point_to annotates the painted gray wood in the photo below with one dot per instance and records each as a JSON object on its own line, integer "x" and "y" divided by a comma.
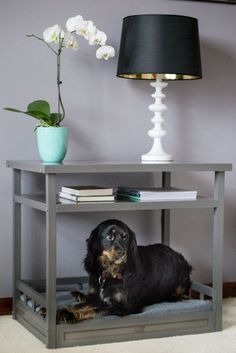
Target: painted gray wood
{"x": 33, "y": 201}
{"x": 134, "y": 206}
{"x": 165, "y": 213}
{"x": 16, "y": 229}
{"x": 31, "y": 293}
{"x": 116, "y": 167}
{"x": 32, "y": 322}
{"x": 218, "y": 238}
{"x": 128, "y": 328}
{"x": 51, "y": 271}
{"x": 202, "y": 289}
{"x": 38, "y": 202}
{"x": 132, "y": 328}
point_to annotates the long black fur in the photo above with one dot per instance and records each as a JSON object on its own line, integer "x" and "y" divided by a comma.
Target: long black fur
{"x": 151, "y": 274}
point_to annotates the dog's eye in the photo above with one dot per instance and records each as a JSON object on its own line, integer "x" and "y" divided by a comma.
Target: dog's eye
{"x": 124, "y": 236}
{"x": 110, "y": 237}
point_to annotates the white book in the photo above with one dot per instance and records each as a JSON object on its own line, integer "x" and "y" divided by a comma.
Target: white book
{"x": 87, "y": 190}
{"x": 86, "y": 198}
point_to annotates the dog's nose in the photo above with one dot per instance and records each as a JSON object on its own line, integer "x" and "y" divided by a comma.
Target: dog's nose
{"x": 120, "y": 252}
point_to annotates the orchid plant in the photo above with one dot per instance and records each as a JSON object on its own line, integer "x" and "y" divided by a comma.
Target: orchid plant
{"x": 55, "y": 35}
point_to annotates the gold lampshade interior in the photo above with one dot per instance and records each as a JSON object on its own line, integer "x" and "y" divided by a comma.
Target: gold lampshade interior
{"x": 163, "y": 77}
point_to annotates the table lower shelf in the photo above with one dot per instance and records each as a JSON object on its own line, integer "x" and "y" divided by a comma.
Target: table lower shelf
{"x": 116, "y": 329}
{"x": 159, "y": 320}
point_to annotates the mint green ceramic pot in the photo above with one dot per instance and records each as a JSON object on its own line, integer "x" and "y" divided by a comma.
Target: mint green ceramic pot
{"x": 52, "y": 143}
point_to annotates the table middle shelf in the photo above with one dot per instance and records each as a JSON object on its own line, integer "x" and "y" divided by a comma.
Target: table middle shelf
{"x": 39, "y": 202}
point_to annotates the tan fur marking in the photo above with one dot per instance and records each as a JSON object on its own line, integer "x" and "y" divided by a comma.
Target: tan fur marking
{"x": 179, "y": 290}
{"x": 83, "y": 313}
{"x": 110, "y": 254}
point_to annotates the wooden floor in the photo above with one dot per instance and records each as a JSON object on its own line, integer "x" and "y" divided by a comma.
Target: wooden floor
{"x": 5, "y": 306}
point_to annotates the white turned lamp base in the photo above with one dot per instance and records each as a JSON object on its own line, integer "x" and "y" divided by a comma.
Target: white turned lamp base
{"x": 157, "y": 157}
{"x": 157, "y": 152}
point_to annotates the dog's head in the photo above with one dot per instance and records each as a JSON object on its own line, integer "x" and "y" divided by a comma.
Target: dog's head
{"x": 111, "y": 244}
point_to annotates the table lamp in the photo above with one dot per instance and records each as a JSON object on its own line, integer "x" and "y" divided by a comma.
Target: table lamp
{"x": 161, "y": 48}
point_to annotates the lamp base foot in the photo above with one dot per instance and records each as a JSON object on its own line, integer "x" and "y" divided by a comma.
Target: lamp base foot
{"x": 158, "y": 157}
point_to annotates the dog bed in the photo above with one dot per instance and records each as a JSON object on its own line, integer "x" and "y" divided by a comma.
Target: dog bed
{"x": 64, "y": 298}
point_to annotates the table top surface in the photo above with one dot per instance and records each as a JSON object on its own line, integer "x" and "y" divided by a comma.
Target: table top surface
{"x": 115, "y": 166}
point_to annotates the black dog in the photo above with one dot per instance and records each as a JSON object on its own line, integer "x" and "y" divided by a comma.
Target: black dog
{"x": 124, "y": 277}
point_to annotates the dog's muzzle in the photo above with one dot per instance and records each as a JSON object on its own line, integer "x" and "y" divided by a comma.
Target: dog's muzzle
{"x": 115, "y": 255}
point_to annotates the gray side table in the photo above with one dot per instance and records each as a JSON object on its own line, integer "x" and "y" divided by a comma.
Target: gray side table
{"x": 130, "y": 327}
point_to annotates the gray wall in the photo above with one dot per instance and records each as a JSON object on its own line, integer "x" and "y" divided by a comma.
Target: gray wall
{"x": 108, "y": 119}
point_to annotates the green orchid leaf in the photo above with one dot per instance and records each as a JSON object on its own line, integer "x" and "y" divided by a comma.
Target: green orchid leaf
{"x": 56, "y": 118}
{"x": 35, "y": 114}
{"x": 13, "y": 110}
{"x": 38, "y": 115}
{"x": 40, "y": 110}
{"x": 39, "y": 106}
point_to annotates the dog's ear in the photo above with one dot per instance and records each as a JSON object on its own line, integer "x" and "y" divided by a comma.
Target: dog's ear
{"x": 93, "y": 251}
{"x": 133, "y": 257}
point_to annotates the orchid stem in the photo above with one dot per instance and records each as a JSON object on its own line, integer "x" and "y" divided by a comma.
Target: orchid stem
{"x": 34, "y": 36}
{"x": 59, "y": 82}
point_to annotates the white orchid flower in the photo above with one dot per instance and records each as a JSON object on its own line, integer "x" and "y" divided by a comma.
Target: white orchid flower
{"x": 52, "y": 34}
{"x": 105, "y": 52}
{"x": 55, "y": 34}
{"x": 86, "y": 29}
{"x": 73, "y": 23}
{"x": 98, "y": 38}
{"x": 70, "y": 41}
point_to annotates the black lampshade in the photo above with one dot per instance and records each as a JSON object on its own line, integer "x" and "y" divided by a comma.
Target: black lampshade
{"x": 165, "y": 46}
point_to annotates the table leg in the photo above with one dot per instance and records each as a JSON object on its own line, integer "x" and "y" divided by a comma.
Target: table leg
{"x": 218, "y": 233}
{"x": 51, "y": 259}
{"x": 16, "y": 181}
{"x": 165, "y": 214}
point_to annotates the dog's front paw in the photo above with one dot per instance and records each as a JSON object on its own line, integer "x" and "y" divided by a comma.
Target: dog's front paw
{"x": 66, "y": 316}
{"x": 75, "y": 314}
{"x": 79, "y": 296}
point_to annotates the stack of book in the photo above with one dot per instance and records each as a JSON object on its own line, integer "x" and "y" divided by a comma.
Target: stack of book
{"x": 154, "y": 194}
{"x": 88, "y": 193}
